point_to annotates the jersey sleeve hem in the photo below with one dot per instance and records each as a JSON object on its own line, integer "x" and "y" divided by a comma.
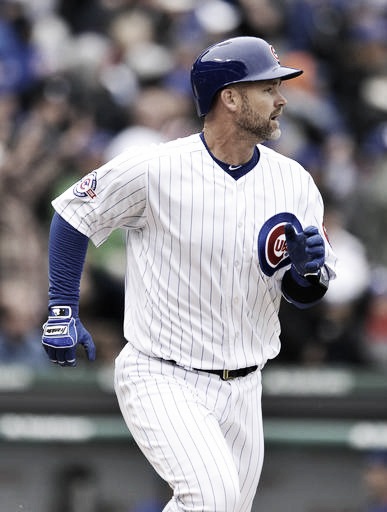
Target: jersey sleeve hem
{"x": 81, "y": 227}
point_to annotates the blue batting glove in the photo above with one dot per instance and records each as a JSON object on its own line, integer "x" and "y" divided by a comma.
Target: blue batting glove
{"x": 306, "y": 249}
{"x": 62, "y": 332}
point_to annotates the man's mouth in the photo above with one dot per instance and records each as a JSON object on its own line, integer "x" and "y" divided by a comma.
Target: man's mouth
{"x": 275, "y": 116}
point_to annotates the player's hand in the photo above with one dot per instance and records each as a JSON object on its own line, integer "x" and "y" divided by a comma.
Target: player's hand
{"x": 306, "y": 249}
{"x": 62, "y": 332}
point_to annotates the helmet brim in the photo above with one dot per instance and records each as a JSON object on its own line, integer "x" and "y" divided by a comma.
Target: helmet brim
{"x": 282, "y": 72}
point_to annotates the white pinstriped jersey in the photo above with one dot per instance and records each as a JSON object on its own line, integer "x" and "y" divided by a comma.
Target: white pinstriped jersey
{"x": 196, "y": 291}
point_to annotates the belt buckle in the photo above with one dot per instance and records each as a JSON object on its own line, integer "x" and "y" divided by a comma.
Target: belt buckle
{"x": 225, "y": 375}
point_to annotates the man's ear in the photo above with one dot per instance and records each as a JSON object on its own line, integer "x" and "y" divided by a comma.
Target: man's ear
{"x": 230, "y": 98}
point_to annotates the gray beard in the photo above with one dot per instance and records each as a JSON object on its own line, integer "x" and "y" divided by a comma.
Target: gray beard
{"x": 255, "y": 125}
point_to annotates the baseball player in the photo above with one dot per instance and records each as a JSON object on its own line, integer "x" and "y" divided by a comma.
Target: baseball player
{"x": 219, "y": 228}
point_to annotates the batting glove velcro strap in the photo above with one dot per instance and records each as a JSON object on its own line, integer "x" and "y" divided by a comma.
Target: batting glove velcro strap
{"x": 306, "y": 249}
{"x": 62, "y": 333}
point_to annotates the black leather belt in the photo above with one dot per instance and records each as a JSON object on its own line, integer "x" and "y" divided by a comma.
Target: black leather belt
{"x": 231, "y": 374}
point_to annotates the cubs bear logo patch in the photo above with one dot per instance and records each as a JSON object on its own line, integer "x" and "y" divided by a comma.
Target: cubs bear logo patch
{"x": 86, "y": 186}
{"x": 272, "y": 249}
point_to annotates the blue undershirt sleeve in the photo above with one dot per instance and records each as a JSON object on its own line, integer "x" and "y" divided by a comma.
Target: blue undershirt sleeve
{"x": 67, "y": 253}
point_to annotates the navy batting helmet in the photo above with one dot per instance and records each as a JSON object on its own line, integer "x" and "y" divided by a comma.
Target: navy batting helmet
{"x": 239, "y": 59}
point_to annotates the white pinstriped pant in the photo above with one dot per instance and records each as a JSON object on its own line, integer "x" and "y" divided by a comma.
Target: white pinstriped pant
{"x": 202, "y": 435}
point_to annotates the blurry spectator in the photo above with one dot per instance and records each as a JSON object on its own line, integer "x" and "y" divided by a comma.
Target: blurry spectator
{"x": 102, "y": 301}
{"x": 311, "y": 100}
{"x": 20, "y": 324}
{"x": 369, "y": 215}
{"x": 375, "y": 478}
{"x": 339, "y": 172}
{"x": 375, "y": 339}
{"x": 19, "y": 60}
{"x": 343, "y": 314}
{"x": 153, "y": 116}
{"x": 22, "y": 259}
{"x": 262, "y": 18}
{"x": 218, "y": 18}
{"x": 353, "y": 274}
{"x": 363, "y": 60}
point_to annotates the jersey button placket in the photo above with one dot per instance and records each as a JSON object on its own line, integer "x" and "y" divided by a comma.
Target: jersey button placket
{"x": 236, "y": 268}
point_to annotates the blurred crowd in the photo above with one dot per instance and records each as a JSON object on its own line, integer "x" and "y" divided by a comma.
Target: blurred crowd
{"x": 82, "y": 79}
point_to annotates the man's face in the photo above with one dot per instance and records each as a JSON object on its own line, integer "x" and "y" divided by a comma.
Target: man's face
{"x": 260, "y": 106}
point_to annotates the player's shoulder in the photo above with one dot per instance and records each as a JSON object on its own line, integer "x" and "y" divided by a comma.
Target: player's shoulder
{"x": 141, "y": 159}
{"x": 271, "y": 156}
{"x": 158, "y": 150}
{"x": 187, "y": 144}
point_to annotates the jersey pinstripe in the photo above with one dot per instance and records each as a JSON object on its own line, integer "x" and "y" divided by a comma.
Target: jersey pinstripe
{"x": 195, "y": 292}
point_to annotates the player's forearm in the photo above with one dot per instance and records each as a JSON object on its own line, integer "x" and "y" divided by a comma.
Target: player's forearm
{"x": 67, "y": 253}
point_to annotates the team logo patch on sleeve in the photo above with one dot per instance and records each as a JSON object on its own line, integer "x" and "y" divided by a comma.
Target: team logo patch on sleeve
{"x": 272, "y": 250}
{"x": 86, "y": 186}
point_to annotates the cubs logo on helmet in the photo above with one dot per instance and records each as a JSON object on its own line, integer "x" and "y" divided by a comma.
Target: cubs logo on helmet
{"x": 272, "y": 249}
{"x": 86, "y": 186}
{"x": 274, "y": 52}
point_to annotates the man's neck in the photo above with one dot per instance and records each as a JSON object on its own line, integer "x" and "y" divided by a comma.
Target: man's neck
{"x": 235, "y": 171}
{"x": 228, "y": 146}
